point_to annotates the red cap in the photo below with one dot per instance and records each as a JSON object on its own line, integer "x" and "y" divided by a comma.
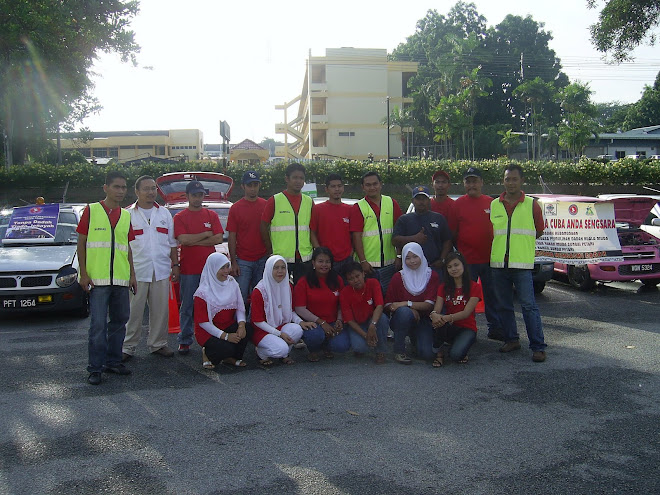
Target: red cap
{"x": 441, "y": 173}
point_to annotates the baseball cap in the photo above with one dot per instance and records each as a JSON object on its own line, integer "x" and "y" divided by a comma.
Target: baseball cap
{"x": 195, "y": 186}
{"x": 250, "y": 176}
{"x": 421, "y": 190}
{"x": 440, "y": 173}
{"x": 472, "y": 172}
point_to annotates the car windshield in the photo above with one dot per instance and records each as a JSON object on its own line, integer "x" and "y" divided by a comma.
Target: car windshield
{"x": 179, "y": 186}
{"x": 222, "y": 211}
{"x": 65, "y": 233}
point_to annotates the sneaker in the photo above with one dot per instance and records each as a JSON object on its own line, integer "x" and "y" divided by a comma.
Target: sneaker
{"x": 117, "y": 369}
{"x": 94, "y": 378}
{"x": 300, "y": 345}
{"x": 510, "y": 346}
{"x": 184, "y": 349}
{"x": 164, "y": 351}
{"x": 538, "y": 356}
{"x": 402, "y": 358}
{"x": 390, "y": 334}
{"x": 125, "y": 357}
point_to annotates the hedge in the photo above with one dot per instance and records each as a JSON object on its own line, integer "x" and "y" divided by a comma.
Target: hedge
{"x": 583, "y": 172}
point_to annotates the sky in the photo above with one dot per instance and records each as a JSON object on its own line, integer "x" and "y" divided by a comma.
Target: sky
{"x": 202, "y": 61}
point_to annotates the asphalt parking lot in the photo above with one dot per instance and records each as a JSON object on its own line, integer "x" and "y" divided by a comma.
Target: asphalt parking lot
{"x": 586, "y": 421}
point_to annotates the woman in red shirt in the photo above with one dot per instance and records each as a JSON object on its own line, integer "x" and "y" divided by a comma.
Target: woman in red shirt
{"x": 409, "y": 300}
{"x": 276, "y": 326}
{"x": 219, "y": 315}
{"x": 459, "y": 296}
{"x": 316, "y": 298}
{"x": 362, "y": 308}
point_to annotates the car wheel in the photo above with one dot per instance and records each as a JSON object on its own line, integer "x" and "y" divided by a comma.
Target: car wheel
{"x": 578, "y": 277}
{"x": 651, "y": 282}
{"x": 538, "y": 287}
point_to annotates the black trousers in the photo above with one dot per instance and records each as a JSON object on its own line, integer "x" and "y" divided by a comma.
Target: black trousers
{"x": 219, "y": 349}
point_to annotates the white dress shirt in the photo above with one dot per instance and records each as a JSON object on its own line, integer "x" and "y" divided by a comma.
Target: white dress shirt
{"x": 154, "y": 239}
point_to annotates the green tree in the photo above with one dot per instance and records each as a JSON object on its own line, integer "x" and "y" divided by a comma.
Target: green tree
{"x": 646, "y": 111}
{"x": 579, "y": 123}
{"x": 537, "y": 94}
{"x": 611, "y": 115}
{"x": 510, "y": 141}
{"x": 623, "y": 25}
{"x": 46, "y": 53}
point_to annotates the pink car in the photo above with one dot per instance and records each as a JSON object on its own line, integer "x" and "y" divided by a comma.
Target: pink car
{"x": 640, "y": 249}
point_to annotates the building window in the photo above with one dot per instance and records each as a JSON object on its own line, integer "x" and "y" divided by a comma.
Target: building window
{"x": 145, "y": 147}
{"x": 100, "y": 152}
{"x": 318, "y": 106}
{"x": 318, "y": 74}
{"x": 346, "y": 134}
{"x": 86, "y": 152}
{"x": 641, "y": 154}
{"x": 319, "y": 138}
{"x": 620, "y": 154}
{"x": 160, "y": 150}
{"x": 113, "y": 152}
{"x": 126, "y": 147}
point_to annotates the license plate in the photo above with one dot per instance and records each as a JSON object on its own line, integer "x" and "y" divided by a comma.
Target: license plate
{"x": 641, "y": 268}
{"x": 19, "y": 303}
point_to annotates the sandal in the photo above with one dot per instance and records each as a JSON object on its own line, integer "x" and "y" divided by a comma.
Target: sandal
{"x": 380, "y": 358}
{"x": 206, "y": 362}
{"x": 402, "y": 358}
{"x": 312, "y": 357}
{"x": 287, "y": 360}
{"x": 463, "y": 361}
{"x": 265, "y": 362}
{"x": 438, "y": 361}
{"x": 328, "y": 354}
{"x": 239, "y": 363}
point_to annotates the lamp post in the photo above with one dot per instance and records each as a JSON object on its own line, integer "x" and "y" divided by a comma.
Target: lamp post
{"x": 387, "y": 99}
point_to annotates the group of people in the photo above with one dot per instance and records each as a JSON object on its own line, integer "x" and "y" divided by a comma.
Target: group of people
{"x": 331, "y": 277}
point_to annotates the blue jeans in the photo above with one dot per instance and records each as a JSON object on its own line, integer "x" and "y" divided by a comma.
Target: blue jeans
{"x": 359, "y": 343}
{"x": 460, "y": 339}
{"x": 403, "y": 324}
{"x": 384, "y": 275}
{"x": 504, "y": 280}
{"x": 251, "y": 273}
{"x": 484, "y": 271}
{"x": 315, "y": 340}
{"x": 188, "y": 284}
{"x": 109, "y": 309}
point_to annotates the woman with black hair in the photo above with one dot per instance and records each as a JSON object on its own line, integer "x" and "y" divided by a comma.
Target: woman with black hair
{"x": 316, "y": 299}
{"x": 458, "y": 295}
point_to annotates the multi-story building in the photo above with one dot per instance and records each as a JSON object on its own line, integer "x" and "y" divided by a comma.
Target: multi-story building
{"x": 343, "y": 106}
{"x": 131, "y": 145}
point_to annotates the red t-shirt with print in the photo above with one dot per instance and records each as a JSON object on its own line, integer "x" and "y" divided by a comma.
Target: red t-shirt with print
{"x": 359, "y": 306}
{"x": 322, "y": 301}
{"x": 222, "y": 319}
{"x": 331, "y": 223}
{"x": 446, "y": 209}
{"x": 245, "y": 220}
{"x": 474, "y": 230}
{"x": 456, "y": 304}
{"x": 193, "y": 258}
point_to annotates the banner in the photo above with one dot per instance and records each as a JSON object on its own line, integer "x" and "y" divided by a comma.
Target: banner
{"x": 578, "y": 233}
{"x": 35, "y": 223}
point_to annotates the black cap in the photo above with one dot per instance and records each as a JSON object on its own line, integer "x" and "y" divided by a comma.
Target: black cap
{"x": 195, "y": 186}
{"x": 250, "y": 176}
{"x": 472, "y": 172}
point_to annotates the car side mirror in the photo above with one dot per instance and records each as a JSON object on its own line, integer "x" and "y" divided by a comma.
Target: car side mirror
{"x": 655, "y": 222}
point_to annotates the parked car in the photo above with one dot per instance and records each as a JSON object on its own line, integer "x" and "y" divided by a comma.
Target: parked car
{"x": 640, "y": 249}
{"x": 172, "y": 188}
{"x": 39, "y": 274}
{"x": 541, "y": 273}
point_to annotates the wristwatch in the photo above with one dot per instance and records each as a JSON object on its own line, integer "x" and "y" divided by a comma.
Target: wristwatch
{"x": 410, "y": 304}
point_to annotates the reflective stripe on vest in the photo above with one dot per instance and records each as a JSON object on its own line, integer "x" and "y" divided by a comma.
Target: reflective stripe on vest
{"x": 514, "y": 236}
{"x": 377, "y": 232}
{"x": 107, "y": 248}
{"x": 290, "y": 232}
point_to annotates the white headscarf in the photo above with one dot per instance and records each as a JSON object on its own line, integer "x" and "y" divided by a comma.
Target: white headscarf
{"x": 415, "y": 281}
{"x": 277, "y": 296}
{"x": 218, "y": 295}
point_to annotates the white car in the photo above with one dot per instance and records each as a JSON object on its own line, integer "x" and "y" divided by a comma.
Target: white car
{"x": 39, "y": 274}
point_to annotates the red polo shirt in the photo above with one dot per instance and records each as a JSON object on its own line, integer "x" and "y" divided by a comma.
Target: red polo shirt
{"x": 322, "y": 301}
{"x": 245, "y": 221}
{"x": 193, "y": 258}
{"x": 446, "y": 209}
{"x": 474, "y": 230}
{"x": 359, "y": 306}
{"x": 331, "y": 223}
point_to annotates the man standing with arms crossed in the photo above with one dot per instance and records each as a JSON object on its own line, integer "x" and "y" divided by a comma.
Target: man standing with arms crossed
{"x": 198, "y": 230}
{"x": 106, "y": 273}
{"x": 371, "y": 225}
{"x": 473, "y": 233}
{"x": 517, "y": 223}
{"x": 155, "y": 257}
{"x": 247, "y": 251}
{"x": 330, "y": 224}
{"x": 285, "y": 223}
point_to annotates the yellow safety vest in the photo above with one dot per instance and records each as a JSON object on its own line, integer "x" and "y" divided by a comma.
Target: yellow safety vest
{"x": 107, "y": 248}
{"x": 513, "y": 236}
{"x": 377, "y": 232}
{"x": 289, "y": 232}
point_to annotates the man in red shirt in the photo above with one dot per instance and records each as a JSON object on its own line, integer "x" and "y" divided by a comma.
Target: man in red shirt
{"x": 473, "y": 233}
{"x": 295, "y": 180}
{"x": 198, "y": 230}
{"x": 247, "y": 250}
{"x": 442, "y": 203}
{"x": 330, "y": 223}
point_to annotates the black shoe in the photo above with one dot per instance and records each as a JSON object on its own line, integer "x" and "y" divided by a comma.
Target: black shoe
{"x": 118, "y": 369}
{"x": 94, "y": 378}
{"x": 496, "y": 335}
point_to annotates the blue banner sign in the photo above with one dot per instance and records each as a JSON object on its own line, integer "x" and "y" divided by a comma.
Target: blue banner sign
{"x": 35, "y": 222}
